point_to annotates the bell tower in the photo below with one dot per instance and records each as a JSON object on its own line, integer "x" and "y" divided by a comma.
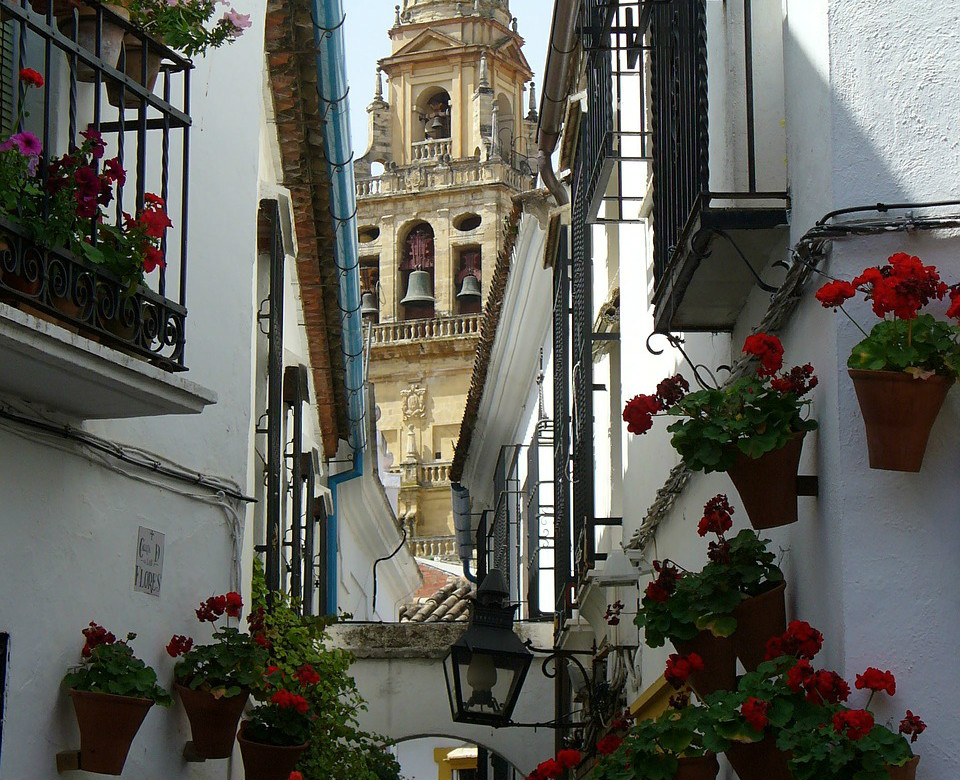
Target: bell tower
{"x": 449, "y": 147}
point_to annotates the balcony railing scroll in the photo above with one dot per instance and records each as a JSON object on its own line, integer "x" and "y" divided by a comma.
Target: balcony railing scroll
{"x": 88, "y": 85}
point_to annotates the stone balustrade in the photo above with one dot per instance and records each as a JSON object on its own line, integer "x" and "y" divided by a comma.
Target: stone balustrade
{"x": 429, "y": 174}
{"x": 414, "y": 330}
{"x": 434, "y": 473}
{"x": 434, "y": 547}
{"x": 431, "y": 150}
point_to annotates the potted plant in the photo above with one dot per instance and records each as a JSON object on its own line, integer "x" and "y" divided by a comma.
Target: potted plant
{"x": 668, "y": 748}
{"x": 278, "y": 730}
{"x": 554, "y": 768}
{"x": 214, "y": 680}
{"x": 789, "y": 720}
{"x": 752, "y": 428}
{"x": 112, "y": 690}
{"x": 904, "y": 367}
{"x": 79, "y": 21}
{"x": 718, "y": 612}
{"x": 183, "y": 25}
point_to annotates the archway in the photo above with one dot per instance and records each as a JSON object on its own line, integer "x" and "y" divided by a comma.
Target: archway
{"x": 417, "y": 260}
{"x": 433, "y": 108}
{"x": 443, "y": 757}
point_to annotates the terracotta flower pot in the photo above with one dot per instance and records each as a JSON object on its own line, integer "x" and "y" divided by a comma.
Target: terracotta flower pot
{"x": 698, "y": 768}
{"x": 758, "y": 619}
{"x": 768, "y": 485}
{"x": 898, "y": 414}
{"x": 111, "y": 37}
{"x": 906, "y": 772}
{"x": 213, "y": 721}
{"x": 719, "y": 662}
{"x": 761, "y": 760}
{"x": 108, "y": 725}
{"x": 267, "y": 762}
{"x": 61, "y": 8}
{"x": 133, "y": 68}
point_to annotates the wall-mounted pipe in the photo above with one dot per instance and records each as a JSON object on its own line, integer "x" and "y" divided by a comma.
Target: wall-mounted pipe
{"x": 553, "y": 99}
{"x": 332, "y": 89}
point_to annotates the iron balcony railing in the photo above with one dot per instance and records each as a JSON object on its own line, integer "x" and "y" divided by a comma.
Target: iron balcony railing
{"x": 147, "y": 132}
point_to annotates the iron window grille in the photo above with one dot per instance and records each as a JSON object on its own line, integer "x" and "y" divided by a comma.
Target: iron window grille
{"x": 151, "y": 139}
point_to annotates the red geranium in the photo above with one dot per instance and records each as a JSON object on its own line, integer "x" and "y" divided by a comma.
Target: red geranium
{"x": 234, "y": 604}
{"x": 96, "y": 635}
{"x": 569, "y": 758}
{"x": 639, "y": 411}
{"x": 717, "y": 516}
{"x": 30, "y": 77}
{"x": 911, "y": 726}
{"x": 609, "y": 744}
{"x": 661, "y": 588}
{"x": 798, "y": 380}
{"x": 754, "y": 712}
{"x": 875, "y": 680}
{"x": 307, "y": 675}
{"x": 856, "y": 724}
{"x": 293, "y": 701}
{"x": 179, "y": 645}
{"x": 833, "y": 294}
{"x": 549, "y": 769}
{"x": 672, "y": 390}
{"x": 800, "y": 640}
{"x": 768, "y": 350}
{"x": 680, "y": 667}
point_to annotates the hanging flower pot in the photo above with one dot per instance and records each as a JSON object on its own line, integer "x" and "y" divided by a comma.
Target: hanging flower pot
{"x": 697, "y": 768}
{"x": 898, "y": 413}
{"x": 906, "y": 772}
{"x": 268, "y": 762}
{"x": 758, "y": 619}
{"x": 761, "y": 760}
{"x": 83, "y": 29}
{"x": 108, "y": 725}
{"x": 213, "y": 721}
{"x": 768, "y": 485}
{"x": 133, "y": 68}
{"x": 719, "y": 671}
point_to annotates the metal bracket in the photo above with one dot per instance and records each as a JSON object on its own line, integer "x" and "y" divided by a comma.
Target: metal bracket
{"x": 68, "y": 761}
{"x": 190, "y": 753}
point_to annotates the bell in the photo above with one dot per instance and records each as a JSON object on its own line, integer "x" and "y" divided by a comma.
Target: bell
{"x": 435, "y": 128}
{"x": 469, "y": 289}
{"x": 418, "y": 290}
{"x": 368, "y": 305}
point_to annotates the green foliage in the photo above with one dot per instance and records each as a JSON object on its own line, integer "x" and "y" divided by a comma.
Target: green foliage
{"x": 651, "y": 749}
{"x": 338, "y": 748}
{"x": 183, "y": 25}
{"x": 113, "y": 668}
{"x": 231, "y": 664}
{"x": 897, "y": 345}
{"x": 746, "y": 416}
{"x": 817, "y": 753}
{"x": 708, "y": 598}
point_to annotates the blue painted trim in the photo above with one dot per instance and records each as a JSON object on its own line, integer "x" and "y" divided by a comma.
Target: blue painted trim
{"x": 332, "y": 87}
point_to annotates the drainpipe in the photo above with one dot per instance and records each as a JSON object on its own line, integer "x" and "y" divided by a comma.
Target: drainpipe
{"x": 332, "y": 88}
{"x": 553, "y": 99}
{"x": 462, "y": 526}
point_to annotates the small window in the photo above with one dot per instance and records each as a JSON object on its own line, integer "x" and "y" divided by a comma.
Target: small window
{"x": 467, "y": 222}
{"x": 368, "y": 233}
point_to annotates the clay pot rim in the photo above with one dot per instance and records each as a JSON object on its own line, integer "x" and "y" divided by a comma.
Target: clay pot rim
{"x": 896, "y": 376}
{"x": 241, "y": 738}
{"x": 78, "y": 692}
{"x": 180, "y": 686}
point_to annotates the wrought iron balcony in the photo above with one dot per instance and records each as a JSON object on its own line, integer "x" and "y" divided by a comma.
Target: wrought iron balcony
{"x": 148, "y": 135}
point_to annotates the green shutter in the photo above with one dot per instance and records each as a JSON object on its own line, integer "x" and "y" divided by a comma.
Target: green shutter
{"x": 7, "y": 82}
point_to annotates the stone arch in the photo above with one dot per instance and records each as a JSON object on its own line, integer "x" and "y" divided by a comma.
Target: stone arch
{"x": 445, "y": 735}
{"x": 434, "y": 112}
{"x": 398, "y": 669}
{"x": 506, "y": 125}
{"x": 417, "y": 253}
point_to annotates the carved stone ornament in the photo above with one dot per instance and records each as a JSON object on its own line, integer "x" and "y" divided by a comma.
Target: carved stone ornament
{"x": 414, "y": 401}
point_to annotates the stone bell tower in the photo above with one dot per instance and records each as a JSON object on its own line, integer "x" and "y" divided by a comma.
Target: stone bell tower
{"x": 449, "y": 147}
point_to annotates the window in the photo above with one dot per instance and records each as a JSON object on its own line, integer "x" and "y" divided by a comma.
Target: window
{"x": 416, "y": 273}
{"x": 433, "y": 115}
{"x": 468, "y": 288}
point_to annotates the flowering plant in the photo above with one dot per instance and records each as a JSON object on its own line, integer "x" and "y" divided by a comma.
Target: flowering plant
{"x": 652, "y": 748}
{"x": 184, "y": 24}
{"x": 678, "y": 604}
{"x": 285, "y": 717}
{"x": 19, "y": 157}
{"x": 805, "y": 710}
{"x": 109, "y": 666}
{"x": 752, "y": 415}
{"x": 904, "y": 339}
{"x": 231, "y": 664}
{"x": 553, "y": 768}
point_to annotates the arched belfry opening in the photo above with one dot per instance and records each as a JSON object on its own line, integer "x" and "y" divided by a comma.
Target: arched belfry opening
{"x": 417, "y": 263}
{"x": 433, "y": 110}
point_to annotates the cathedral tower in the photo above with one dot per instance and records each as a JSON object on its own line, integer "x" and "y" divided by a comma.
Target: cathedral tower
{"x": 449, "y": 148}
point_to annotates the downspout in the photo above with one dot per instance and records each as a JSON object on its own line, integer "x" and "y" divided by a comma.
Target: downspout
{"x": 462, "y": 526}
{"x": 332, "y": 89}
{"x": 553, "y": 99}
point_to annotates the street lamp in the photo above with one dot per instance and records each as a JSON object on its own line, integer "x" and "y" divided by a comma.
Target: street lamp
{"x": 486, "y": 666}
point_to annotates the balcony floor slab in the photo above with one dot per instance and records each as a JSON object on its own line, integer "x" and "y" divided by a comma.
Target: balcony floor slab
{"x": 47, "y": 365}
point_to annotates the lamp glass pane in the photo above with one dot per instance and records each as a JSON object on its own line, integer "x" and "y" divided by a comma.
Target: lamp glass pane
{"x": 487, "y": 684}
